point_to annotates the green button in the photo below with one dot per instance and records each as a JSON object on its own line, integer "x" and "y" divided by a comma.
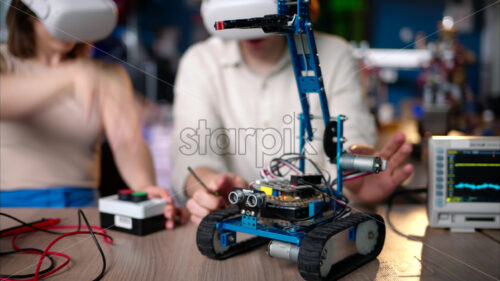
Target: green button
{"x": 139, "y": 196}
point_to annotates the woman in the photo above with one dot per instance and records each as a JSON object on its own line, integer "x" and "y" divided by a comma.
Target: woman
{"x": 55, "y": 105}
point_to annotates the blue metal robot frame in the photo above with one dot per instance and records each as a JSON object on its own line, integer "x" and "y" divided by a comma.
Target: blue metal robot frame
{"x": 305, "y": 60}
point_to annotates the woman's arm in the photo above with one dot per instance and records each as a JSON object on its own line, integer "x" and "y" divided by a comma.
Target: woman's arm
{"x": 22, "y": 95}
{"x": 122, "y": 128}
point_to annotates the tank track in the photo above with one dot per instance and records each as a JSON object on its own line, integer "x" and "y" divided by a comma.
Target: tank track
{"x": 312, "y": 247}
{"x": 207, "y": 230}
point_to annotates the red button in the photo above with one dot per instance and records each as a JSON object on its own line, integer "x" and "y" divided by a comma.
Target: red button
{"x": 125, "y": 194}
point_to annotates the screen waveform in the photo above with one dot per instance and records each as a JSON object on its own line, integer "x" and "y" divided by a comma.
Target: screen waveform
{"x": 477, "y": 186}
{"x": 477, "y": 165}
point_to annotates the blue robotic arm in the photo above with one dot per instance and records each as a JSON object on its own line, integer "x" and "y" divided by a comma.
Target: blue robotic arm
{"x": 293, "y": 20}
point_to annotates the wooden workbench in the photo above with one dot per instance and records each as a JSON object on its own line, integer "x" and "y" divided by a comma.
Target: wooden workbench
{"x": 172, "y": 255}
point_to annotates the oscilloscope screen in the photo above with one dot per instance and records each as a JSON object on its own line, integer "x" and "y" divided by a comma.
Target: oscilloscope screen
{"x": 473, "y": 176}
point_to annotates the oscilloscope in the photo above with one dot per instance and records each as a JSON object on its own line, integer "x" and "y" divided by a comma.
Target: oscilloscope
{"x": 464, "y": 183}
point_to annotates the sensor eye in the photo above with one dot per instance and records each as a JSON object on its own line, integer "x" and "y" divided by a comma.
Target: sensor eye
{"x": 236, "y": 197}
{"x": 252, "y": 200}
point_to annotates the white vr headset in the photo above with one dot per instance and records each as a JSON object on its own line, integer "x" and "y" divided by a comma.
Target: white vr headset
{"x": 77, "y": 20}
{"x": 219, "y": 10}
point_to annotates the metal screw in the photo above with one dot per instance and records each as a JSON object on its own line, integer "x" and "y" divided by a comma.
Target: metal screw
{"x": 371, "y": 235}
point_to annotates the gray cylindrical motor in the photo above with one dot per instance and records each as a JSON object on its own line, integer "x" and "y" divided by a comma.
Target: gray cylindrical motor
{"x": 371, "y": 164}
{"x": 283, "y": 250}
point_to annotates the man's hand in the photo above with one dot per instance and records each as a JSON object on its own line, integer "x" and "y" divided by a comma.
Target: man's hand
{"x": 173, "y": 214}
{"x": 376, "y": 187}
{"x": 202, "y": 202}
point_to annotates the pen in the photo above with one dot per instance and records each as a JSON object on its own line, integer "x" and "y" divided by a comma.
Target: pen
{"x": 201, "y": 182}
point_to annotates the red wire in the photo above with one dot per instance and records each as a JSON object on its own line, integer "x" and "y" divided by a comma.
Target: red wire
{"x": 340, "y": 202}
{"x": 68, "y": 259}
{"x": 357, "y": 177}
{"x": 14, "y": 245}
{"x": 59, "y": 238}
{"x": 108, "y": 239}
{"x": 94, "y": 227}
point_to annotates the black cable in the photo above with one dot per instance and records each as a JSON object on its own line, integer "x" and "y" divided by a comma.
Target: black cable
{"x": 23, "y": 223}
{"x": 28, "y": 224}
{"x": 344, "y": 211}
{"x": 332, "y": 197}
{"x": 79, "y": 223}
{"x": 488, "y": 235}
{"x": 300, "y": 156}
{"x": 397, "y": 193}
{"x": 296, "y": 156}
{"x": 23, "y": 276}
{"x": 81, "y": 214}
{"x": 277, "y": 168}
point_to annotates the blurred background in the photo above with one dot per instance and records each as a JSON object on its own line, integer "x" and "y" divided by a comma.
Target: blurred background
{"x": 428, "y": 67}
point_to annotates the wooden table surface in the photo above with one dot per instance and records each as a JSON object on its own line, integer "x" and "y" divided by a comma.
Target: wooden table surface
{"x": 172, "y": 255}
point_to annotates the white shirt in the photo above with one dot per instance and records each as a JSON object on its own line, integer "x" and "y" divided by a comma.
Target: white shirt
{"x": 231, "y": 119}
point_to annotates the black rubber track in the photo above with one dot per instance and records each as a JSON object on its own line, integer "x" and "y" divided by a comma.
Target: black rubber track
{"x": 206, "y": 232}
{"x": 312, "y": 247}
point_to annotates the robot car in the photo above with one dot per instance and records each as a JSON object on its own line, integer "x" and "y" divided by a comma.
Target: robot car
{"x": 302, "y": 216}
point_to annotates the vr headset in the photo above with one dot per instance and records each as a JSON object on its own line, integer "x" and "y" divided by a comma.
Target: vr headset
{"x": 220, "y": 10}
{"x": 76, "y": 20}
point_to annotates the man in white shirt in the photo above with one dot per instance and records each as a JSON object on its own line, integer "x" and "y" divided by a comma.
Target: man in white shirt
{"x": 236, "y": 107}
